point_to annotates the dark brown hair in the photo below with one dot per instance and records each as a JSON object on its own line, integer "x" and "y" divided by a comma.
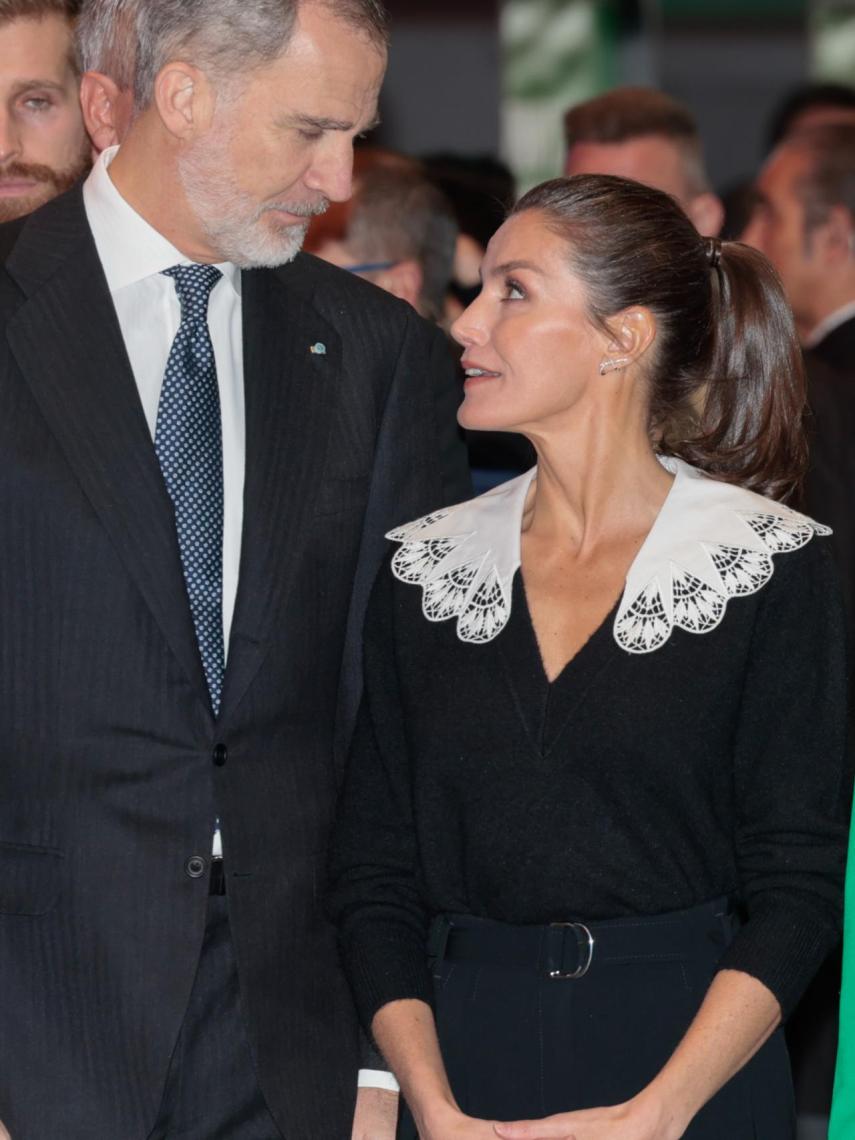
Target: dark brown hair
{"x": 727, "y": 386}
{"x": 37, "y": 9}
{"x": 40, "y": 9}
{"x": 638, "y": 112}
{"x": 830, "y": 177}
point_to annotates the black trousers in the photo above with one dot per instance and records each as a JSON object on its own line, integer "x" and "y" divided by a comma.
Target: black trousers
{"x": 518, "y": 1044}
{"x": 211, "y": 1089}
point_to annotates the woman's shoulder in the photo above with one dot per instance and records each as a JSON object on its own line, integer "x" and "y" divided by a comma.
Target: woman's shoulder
{"x": 711, "y": 543}
{"x": 464, "y": 558}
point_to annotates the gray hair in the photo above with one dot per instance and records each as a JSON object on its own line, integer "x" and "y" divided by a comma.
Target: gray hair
{"x": 398, "y": 215}
{"x": 131, "y": 40}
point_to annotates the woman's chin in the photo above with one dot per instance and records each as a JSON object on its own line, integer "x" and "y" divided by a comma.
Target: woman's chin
{"x": 478, "y": 416}
{"x": 483, "y": 423}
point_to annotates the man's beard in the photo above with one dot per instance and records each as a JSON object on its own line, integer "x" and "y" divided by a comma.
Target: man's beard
{"x": 233, "y": 221}
{"x": 49, "y": 183}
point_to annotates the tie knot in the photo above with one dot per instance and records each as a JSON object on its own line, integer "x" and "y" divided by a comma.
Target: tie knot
{"x": 193, "y": 284}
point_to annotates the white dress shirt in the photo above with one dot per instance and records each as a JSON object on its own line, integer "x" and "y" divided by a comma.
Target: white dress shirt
{"x": 829, "y": 324}
{"x": 134, "y": 256}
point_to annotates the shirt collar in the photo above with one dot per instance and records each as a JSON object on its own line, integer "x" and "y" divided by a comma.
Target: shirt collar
{"x": 711, "y": 542}
{"x": 129, "y": 248}
{"x": 829, "y": 324}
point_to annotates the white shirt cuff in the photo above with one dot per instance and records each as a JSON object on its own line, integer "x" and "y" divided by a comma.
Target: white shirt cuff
{"x": 377, "y": 1079}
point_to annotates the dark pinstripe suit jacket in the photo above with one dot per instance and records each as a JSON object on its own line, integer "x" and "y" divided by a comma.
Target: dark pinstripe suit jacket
{"x": 107, "y": 785}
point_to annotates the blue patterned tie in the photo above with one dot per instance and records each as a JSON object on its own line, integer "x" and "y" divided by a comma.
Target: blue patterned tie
{"x": 189, "y": 444}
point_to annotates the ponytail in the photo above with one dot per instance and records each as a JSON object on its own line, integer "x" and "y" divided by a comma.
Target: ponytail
{"x": 751, "y": 388}
{"x": 727, "y": 386}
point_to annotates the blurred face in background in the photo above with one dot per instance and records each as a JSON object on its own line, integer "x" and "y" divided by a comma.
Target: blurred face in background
{"x": 651, "y": 159}
{"x": 656, "y": 161}
{"x": 777, "y": 228}
{"x": 43, "y": 144}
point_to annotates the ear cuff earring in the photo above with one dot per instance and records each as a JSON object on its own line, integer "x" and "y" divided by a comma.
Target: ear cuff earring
{"x": 613, "y": 365}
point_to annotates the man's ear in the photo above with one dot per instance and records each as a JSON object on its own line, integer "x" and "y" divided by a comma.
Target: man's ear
{"x": 184, "y": 100}
{"x": 404, "y": 279}
{"x": 107, "y": 109}
{"x": 706, "y": 212}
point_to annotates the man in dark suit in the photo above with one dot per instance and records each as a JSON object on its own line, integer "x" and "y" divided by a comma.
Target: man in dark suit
{"x": 198, "y": 459}
{"x": 804, "y": 221}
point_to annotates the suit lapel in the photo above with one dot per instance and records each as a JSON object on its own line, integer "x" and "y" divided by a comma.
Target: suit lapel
{"x": 67, "y": 342}
{"x": 289, "y": 392}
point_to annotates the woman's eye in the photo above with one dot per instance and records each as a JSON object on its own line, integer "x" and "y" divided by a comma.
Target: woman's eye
{"x": 514, "y": 291}
{"x": 37, "y": 103}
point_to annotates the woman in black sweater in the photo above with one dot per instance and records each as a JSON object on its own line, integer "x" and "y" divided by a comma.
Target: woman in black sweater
{"x": 591, "y": 843}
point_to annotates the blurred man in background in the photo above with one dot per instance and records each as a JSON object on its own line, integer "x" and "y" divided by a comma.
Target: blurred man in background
{"x": 804, "y": 221}
{"x": 812, "y": 105}
{"x": 400, "y": 233}
{"x": 43, "y": 144}
{"x": 641, "y": 133}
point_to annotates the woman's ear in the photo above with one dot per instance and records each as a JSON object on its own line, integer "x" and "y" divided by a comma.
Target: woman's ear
{"x": 631, "y": 334}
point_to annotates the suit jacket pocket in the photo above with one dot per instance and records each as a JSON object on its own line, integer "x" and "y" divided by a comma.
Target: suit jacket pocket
{"x": 30, "y": 879}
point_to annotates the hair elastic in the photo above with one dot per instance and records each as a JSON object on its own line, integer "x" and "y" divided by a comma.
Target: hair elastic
{"x": 712, "y": 248}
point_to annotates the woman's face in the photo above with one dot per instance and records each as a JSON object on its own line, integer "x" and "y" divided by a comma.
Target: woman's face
{"x": 530, "y": 352}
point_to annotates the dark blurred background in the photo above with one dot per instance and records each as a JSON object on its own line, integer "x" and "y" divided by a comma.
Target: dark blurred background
{"x": 483, "y": 75}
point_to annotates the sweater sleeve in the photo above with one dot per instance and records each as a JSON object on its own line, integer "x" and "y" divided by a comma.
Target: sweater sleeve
{"x": 790, "y": 776}
{"x": 375, "y": 897}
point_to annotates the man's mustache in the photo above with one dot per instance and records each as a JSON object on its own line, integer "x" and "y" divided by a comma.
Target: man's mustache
{"x": 301, "y": 209}
{"x": 29, "y": 172}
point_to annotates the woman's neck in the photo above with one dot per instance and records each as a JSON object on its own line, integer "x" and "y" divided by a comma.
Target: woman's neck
{"x": 595, "y": 484}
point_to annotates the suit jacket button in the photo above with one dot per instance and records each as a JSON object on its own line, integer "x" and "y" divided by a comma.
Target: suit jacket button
{"x": 220, "y": 755}
{"x": 195, "y": 866}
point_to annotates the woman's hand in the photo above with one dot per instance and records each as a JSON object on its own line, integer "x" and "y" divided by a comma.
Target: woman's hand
{"x": 736, "y": 1017}
{"x": 451, "y": 1124}
{"x": 638, "y": 1119}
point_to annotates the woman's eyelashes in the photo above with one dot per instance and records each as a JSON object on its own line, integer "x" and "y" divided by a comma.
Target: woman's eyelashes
{"x": 514, "y": 291}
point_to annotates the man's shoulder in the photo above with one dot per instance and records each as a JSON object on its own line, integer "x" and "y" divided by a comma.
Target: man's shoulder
{"x": 9, "y": 234}
{"x": 836, "y": 350}
{"x": 341, "y": 296}
{"x": 33, "y": 247}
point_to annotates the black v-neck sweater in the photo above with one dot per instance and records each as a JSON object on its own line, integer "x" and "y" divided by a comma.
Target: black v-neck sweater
{"x": 633, "y": 785}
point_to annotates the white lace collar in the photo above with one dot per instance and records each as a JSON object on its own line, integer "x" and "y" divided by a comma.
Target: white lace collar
{"x": 711, "y": 542}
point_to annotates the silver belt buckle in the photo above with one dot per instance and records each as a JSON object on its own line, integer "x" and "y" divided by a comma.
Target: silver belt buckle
{"x": 584, "y": 939}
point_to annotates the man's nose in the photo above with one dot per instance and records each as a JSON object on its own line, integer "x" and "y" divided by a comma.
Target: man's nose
{"x": 332, "y": 172}
{"x": 10, "y": 138}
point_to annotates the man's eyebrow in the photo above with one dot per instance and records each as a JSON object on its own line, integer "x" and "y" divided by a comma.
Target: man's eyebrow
{"x": 21, "y": 85}
{"x": 320, "y": 123}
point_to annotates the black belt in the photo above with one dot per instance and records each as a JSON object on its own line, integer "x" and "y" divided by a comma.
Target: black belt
{"x": 217, "y": 881}
{"x": 568, "y": 950}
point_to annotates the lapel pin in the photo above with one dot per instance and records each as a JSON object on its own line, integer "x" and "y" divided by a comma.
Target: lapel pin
{"x": 318, "y": 349}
